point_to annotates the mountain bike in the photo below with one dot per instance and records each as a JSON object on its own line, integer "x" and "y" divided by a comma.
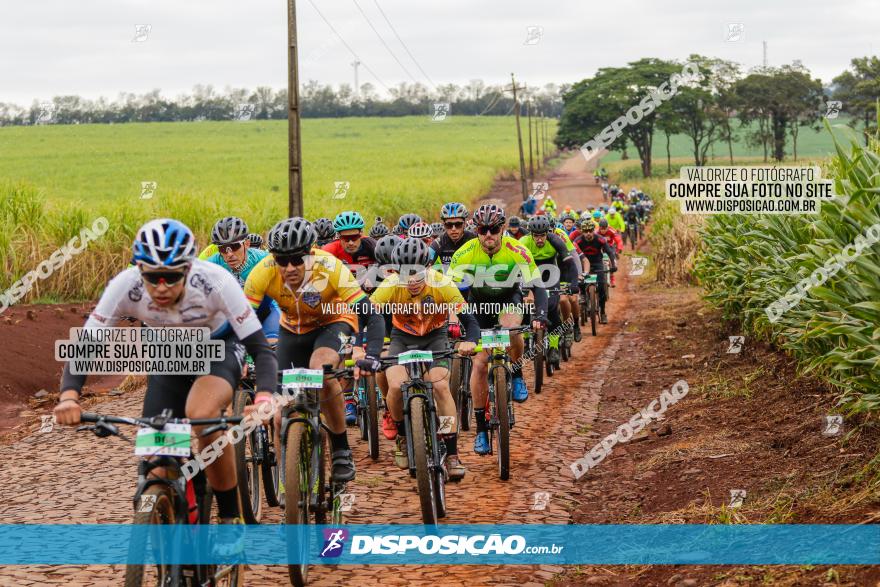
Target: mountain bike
{"x": 369, "y": 396}
{"x": 163, "y": 442}
{"x": 631, "y": 233}
{"x": 606, "y": 263}
{"x": 589, "y": 300}
{"x": 499, "y": 402}
{"x": 256, "y": 462}
{"x": 426, "y": 452}
{"x": 308, "y": 496}
{"x": 460, "y": 386}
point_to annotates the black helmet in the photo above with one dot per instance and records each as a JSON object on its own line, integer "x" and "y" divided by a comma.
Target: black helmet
{"x": 231, "y": 229}
{"x": 412, "y": 251}
{"x": 379, "y": 230}
{"x": 514, "y": 222}
{"x": 539, "y": 224}
{"x": 292, "y": 236}
{"x": 255, "y": 240}
{"x": 406, "y": 221}
{"x": 603, "y": 223}
{"x": 324, "y": 229}
{"x": 437, "y": 228}
{"x": 384, "y": 250}
{"x": 489, "y": 215}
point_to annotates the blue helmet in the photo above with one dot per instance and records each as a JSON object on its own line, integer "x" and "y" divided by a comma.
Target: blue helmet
{"x": 597, "y": 214}
{"x": 349, "y": 220}
{"x": 453, "y": 210}
{"x": 408, "y": 220}
{"x": 164, "y": 243}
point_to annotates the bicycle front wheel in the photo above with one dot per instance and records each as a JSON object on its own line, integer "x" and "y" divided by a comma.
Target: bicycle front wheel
{"x": 502, "y": 401}
{"x": 156, "y": 508}
{"x": 538, "y": 360}
{"x": 297, "y": 472}
{"x": 249, "y": 472}
{"x": 419, "y": 439}
{"x": 594, "y": 309}
{"x": 372, "y": 417}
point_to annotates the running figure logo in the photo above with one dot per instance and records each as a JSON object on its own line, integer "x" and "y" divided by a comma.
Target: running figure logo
{"x": 736, "y": 344}
{"x": 334, "y": 540}
{"x": 441, "y": 110}
{"x": 833, "y": 108}
{"x": 832, "y": 425}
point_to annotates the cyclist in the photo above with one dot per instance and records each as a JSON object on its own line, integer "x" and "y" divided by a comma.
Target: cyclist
{"x": 437, "y": 229}
{"x": 379, "y": 230}
{"x": 529, "y": 207}
{"x": 384, "y": 257}
{"x": 549, "y": 205}
{"x": 325, "y": 231}
{"x": 169, "y": 287}
{"x": 454, "y": 215}
{"x": 515, "y": 228}
{"x": 631, "y": 219}
{"x": 568, "y": 221}
{"x": 321, "y": 306}
{"x": 614, "y": 239}
{"x": 230, "y": 236}
{"x": 615, "y": 220}
{"x": 256, "y": 240}
{"x": 419, "y": 294}
{"x": 423, "y": 232}
{"x": 404, "y": 223}
{"x": 592, "y": 246}
{"x": 507, "y": 260}
{"x": 547, "y": 247}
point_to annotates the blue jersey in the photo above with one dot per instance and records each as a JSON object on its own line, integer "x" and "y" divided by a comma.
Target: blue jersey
{"x": 268, "y": 312}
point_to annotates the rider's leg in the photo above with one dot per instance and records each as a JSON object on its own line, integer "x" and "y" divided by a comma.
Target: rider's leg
{"x": 207, "y": 398}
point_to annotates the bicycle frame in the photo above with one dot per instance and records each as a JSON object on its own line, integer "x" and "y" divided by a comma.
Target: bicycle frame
{"x": 415, "y": 387}
{"x": 306, "y": 408}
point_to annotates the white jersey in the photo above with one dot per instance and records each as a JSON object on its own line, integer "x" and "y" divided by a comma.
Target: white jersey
{"x": 212, "y": 298}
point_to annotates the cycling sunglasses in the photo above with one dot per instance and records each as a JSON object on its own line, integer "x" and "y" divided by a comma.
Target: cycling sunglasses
{"x": 350, "y": 238}
{"x": 484, "y": 230}
{"x": 453, "y": 224}
{"x": 230, "y": 248}
{"x": 285, "y": 260}
{"x": 169, "y": 278}
{"x": 539, "y": 235}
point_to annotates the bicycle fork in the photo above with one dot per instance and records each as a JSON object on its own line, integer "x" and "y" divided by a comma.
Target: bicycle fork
{"x": 437, "y": 448}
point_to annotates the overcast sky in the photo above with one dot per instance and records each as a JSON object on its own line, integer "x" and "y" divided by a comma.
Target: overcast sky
{"x": 54, "y": 47}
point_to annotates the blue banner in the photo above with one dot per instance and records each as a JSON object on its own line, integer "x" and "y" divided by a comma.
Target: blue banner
{"x": 452, "y": 544}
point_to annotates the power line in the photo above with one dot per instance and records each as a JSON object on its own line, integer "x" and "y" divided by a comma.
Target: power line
{"x": 408, "y": 52}
{"x": 387, "y": 48}
{"x": 347, "y": 46}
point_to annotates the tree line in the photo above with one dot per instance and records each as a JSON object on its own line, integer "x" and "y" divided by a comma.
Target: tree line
{"x": 769, "y": 105}
{"x": 316, "y": 101}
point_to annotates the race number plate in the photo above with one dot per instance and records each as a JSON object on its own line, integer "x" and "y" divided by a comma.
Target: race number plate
{"x": 590, "y": 278}
{"x": 302, "y": 378}
{"x": 415, "y": 357}
{"x": 492, "y": 339}
{"x": 172, "y": 441}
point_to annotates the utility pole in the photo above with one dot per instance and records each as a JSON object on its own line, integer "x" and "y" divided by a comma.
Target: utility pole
{"x": 522, "y": 162}
{"x": 357, "y": 87}
{"x": 765, "y": 53}
{"x": 529, "y": 116}
{"x": 294, "y": 145}
{"x": 539, "y": 148}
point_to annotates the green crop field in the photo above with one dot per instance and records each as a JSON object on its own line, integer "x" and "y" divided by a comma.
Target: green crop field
{"x": 55, "y": 180}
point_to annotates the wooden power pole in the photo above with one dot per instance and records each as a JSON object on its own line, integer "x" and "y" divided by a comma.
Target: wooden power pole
{"x": 294, "y": 143}
{"x": 539, "y": 144}
{"x": 522, "y": 162}
{"x": 529, "y": 116}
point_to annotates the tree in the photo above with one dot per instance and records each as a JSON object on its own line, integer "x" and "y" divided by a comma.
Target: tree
{"x": 859, "y": 90}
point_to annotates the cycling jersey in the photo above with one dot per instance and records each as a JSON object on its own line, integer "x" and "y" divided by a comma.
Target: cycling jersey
{"x": 593, "y": 249}
{"x": 268, "y": 311}
{"x": 364, "y": 256}
{"x": 412, "y": 313}
{"x": 616, "y": 222}
{"x": 444, "y": 247}
{"x": 555, "y": 251}
{"x": 319, "y": 301}
{"x": 529, "y": 207}
{"x": 517, "y": 234}
{"x": 472, "y": 260}
{"x": 613, "y": 238}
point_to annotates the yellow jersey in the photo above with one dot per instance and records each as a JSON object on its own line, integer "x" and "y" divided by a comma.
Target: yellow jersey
{"x": 325, "y": 296}
{"x": 422, "y": 313}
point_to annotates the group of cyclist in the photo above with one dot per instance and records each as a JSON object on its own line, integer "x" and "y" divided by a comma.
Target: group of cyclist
{"x": 311, "y": 293}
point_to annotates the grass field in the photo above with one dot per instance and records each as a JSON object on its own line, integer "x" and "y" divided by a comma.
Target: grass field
{"x": 810, "y": 144}
{"x": 56, "y": 179}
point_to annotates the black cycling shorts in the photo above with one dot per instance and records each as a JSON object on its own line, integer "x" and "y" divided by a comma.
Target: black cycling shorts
{"x": 488, "y": 320}
{"x": 435, "y": 341}
{"x": 295, "y": 350}
{"x": 170, "y": 391}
